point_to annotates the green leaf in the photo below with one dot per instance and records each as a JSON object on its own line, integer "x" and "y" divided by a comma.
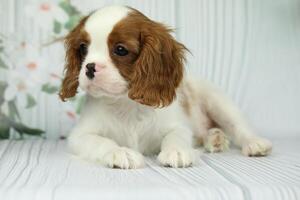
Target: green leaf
{"x": 73, "y": 13}
{"x": 4, "y": 127}
{"x": 13, "y": 110}
{"x": 1, "y": 46}
{"x": 68, "y": 8}
{"x": 50, "y": 89}
{"x": 3, "y": 64}
{"x": 72, "y": 22}
{"x": 57, "y": 27}
{"x": 23, "y": 129}
{"x": 3, "y": 85}
{"x": 30, "y": 101}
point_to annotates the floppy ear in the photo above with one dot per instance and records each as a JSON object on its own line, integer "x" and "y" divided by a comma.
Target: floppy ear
{"x": 158, "y": 70}
{"x": 73, "y": 61}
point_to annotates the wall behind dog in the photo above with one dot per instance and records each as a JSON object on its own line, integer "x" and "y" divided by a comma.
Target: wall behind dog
{"x": 250, "y": 49}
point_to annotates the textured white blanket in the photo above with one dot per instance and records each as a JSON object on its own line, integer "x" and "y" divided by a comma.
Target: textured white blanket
{"x": 42, "y": 170}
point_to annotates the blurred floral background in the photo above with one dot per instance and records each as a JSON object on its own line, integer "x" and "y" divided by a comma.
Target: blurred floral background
{"x": 28, "y": 72}
{"x": 248, "y": 48}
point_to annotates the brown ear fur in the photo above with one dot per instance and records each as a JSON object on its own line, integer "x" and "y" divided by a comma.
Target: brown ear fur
{"x": 158, "y": 70}
{"x": 73, "y": 60}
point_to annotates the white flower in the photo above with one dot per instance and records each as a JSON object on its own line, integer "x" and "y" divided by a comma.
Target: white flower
{"x": 44, "y": 13}
{"x": 28, "y": 76}
{"x": 33, "y": 65}
{"x": 69, "y": 112}
{"x": 18, "y": 87}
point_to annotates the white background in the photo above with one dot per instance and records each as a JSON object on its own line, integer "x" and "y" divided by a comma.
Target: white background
{"x": 249, "y": 48}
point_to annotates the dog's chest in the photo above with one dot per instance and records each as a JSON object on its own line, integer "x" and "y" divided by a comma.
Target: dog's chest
{"x": 134, "y": 127}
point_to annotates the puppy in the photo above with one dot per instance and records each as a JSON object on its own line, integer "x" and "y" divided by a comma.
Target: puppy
{"x": 138, "y": 99}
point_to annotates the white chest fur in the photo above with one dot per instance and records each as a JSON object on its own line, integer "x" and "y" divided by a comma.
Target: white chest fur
{"x": 130, "y": 124}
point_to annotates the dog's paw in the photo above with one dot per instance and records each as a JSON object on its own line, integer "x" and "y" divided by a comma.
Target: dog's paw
{"x": 176, "y": 157}
{"x": 123, "y": 158}
{"x": 216, "y": 141}
{"x": 257, "y": 147}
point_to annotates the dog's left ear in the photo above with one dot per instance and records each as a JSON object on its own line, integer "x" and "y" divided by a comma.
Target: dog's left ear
{"x": 73, "y": 61}
{"x": 158, "y": 70}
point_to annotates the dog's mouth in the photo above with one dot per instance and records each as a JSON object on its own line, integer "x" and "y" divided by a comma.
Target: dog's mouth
{"x": 97, "y": 91}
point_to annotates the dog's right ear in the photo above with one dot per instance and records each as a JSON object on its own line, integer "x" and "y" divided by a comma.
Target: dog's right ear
{"x": 76, "y": 43}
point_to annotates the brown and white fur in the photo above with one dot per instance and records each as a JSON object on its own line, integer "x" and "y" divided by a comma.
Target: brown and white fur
{"x": 139, "y": 101}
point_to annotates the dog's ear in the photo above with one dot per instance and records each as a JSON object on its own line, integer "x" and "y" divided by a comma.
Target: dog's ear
{"x": 73, "y": 59}
{"x": 158, "y": 70}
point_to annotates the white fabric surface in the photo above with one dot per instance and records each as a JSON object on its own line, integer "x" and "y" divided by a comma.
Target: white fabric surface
{"x": 42, "y": 169}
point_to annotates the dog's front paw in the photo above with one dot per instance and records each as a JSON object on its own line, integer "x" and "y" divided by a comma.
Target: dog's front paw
{"x": 257, "y": 147}
{"x": 123, "y": 158}
{"x": 216, "y": 141}
{"x": 176, "y": 157}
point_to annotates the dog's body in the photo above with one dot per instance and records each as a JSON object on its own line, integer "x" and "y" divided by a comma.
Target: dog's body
{"x": 138, "y": 99}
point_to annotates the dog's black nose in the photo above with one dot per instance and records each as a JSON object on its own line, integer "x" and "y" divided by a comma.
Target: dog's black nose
{"x": 90, "y": 70}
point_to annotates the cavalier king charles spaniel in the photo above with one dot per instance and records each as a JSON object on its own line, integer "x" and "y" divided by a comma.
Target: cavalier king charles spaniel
{"x": 139, "y": 101}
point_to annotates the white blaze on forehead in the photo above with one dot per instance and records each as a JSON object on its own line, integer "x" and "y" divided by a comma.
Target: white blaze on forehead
{"x": 100, "y": 24}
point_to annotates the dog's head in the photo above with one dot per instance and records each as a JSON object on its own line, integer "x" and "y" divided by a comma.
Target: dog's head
{"x": 118, "y": 51}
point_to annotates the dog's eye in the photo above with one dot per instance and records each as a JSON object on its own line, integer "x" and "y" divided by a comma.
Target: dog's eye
{"x": 120, "y": 50}
{"x": 83, "y": 49}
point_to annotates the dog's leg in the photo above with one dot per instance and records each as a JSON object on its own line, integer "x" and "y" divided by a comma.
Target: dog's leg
{"x": 176, "y": 148}
{"x": 228, "y": 117}
{"x": 103, "y": 150}
{"x": 215, "y": 141}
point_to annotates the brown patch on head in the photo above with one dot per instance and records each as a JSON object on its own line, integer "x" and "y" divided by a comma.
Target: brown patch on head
{"x": 154, "y": 65}
{"x": 74, "y": 58}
